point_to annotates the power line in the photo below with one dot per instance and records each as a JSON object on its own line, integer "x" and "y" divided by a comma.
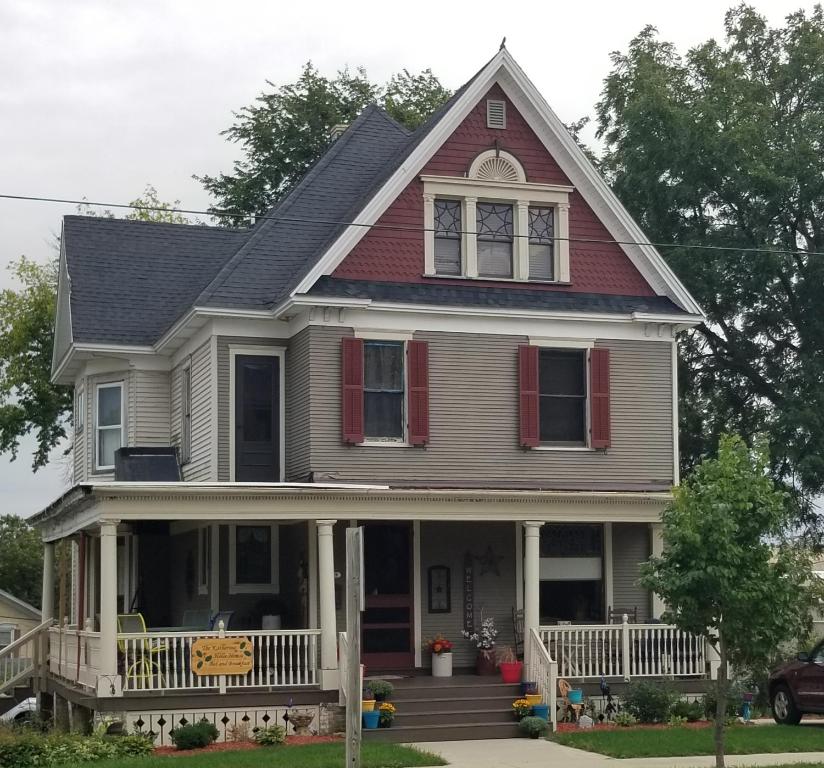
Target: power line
{"x": 399, "y": 227}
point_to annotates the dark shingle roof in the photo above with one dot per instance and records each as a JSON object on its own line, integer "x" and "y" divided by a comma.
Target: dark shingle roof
{"x": 130, "y": 280}
{"x": 443, "y": 294}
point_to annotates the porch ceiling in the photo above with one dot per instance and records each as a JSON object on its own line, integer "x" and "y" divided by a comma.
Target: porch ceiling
{"x": 87, "y": 504}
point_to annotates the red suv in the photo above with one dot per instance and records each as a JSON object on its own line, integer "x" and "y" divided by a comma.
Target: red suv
{"x": 797, "y": 688}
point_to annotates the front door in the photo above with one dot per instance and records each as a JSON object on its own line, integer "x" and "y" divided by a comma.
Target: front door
{"x": 257, "y": 428}
{"x": 387, "y": 620}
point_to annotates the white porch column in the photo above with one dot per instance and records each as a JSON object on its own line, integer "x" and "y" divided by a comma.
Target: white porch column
{"x": 657, "y": 534}
{"x": 326, "y": 599}
{"x": 532, "y": 581}
{"x": 108, "y": 681}
{"x": 47, "y": 598}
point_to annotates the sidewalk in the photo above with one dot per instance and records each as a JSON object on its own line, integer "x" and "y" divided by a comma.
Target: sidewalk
{"x": 538, "y": 753}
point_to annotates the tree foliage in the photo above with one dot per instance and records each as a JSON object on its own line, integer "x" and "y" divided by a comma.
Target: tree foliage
{"x": 723, "y": 146}
{"x": 728, "y": 570}
{"x": 287, "y": 129}
{"x": 21, "y": 559}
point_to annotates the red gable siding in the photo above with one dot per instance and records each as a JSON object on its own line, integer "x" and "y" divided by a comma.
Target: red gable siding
{"x": 397, "y": 256}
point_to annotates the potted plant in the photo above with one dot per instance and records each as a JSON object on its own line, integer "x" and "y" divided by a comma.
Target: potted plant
{"x": 301, "y": 719}
{"x": 371, "y": 719}
{"x": 381, "y": 689}
{"x": 521, "y": 708}
{"x": 510, "y": 667}
{"x": 485, "y": 643}
{"x": 441, "y": 650}
{"x": 528, "y": 686}
{"x": 368, "y": 700}
{"x": 386, "y": 712}
{"x": 533, "y": 727}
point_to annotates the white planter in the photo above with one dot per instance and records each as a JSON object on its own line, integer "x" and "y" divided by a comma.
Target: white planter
{"x": 442, "y": 664}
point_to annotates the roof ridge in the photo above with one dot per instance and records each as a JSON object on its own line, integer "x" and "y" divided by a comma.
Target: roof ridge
{"x": 115, "y": 220}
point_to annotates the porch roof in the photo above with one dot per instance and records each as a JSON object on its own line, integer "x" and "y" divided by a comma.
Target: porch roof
{"x": 87, "y": 504}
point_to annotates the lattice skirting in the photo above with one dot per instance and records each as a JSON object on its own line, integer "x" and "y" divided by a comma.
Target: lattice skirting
{"x": 228, "y": 721}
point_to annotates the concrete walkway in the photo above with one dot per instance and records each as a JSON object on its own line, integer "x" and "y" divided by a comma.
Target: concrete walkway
{"x": 538, "y": 753}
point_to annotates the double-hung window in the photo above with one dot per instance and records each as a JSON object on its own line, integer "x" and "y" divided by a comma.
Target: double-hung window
{"x": 186, "y": 415}
{"x": 108, "y": 424}
{"x": 7, "y": 635}
{"x": 494, "y": 239}
{"x": 383, "y": 390}
{"x": 253, "y": 561}
{"x": 448, "y": 232}
{"x": 562, "y": 382}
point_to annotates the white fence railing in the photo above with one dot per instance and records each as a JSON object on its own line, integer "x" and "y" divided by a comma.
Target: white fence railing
{"x": 542, "y": 669}
{"x": 74, "y": 655}
{"x": 22, "y": 658}
{"x": 624, "y": 650}
{"x": 161, "y": 661}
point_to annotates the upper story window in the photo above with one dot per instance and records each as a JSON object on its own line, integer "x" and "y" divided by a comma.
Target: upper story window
{"x": 494, "y": 224}
{"x": 186, "y": 415}
{"x": 562, "y": 387}
{"x": 383, "y": 390}
{"x": 108, "y": 424}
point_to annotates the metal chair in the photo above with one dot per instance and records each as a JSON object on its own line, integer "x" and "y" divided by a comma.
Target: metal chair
{"x": 197, "y": 619}
{"x": 140, "y": 668}
{"x": 224, "y": 616}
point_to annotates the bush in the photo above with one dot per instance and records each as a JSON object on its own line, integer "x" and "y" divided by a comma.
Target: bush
{"x": 381, "y": 689}
{"x": 690, "y": 711}
{"x": 533, "y": 726}
{"x": 26, "y": 749}
{"x": 194, "y": 735}
{"x": 624, "y": 719}
{"x": 734, "y": 700}
{"x": 270, "y": 736}
{"x": 650, "y": 702}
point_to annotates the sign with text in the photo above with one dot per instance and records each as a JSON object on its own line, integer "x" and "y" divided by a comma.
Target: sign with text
{"x": 221, "y": 656}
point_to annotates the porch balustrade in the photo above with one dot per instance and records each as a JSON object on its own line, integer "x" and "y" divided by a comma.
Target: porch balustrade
{"x": 74, "y": 655}
{"x": 624, "y": 650}
{"x": 542, "y": 669}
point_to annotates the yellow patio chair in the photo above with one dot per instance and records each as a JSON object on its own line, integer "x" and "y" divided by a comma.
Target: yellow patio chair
{"x": 140, "y": 668}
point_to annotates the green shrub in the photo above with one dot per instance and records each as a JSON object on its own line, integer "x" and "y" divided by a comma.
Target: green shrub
{"x": 734, "y": 700}
{"x": 533, "y": 726}
{"x": 690, "y": 711}
{"x": 625, "y": 719}
{"x": 28, "y": 748}
{"x": 271, "y": 736}
{"x": 649, "y": 702}
{"x": 381, "y": 689}
{"x": 194, "y": 735}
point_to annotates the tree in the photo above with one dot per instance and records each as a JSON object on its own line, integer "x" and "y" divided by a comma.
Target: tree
{"x": 728, "y": 570}
{"x": 723, "y": 147}
{"x": 21, "y": 559}
{"x": 287, "y": 129}
{"x": 29, "y": 401}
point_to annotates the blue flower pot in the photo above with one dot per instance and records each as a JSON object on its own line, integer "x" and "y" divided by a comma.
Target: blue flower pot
{"x": 541, "y": 710}
{"x": 371, "y": 719}
{"x": 575, "y": 696}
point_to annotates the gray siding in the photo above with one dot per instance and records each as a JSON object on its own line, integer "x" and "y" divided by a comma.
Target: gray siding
{"x": 474, "y": 419}
{"x": 630, "y": 548}
{"x": 149, "y": 408}
{"x": 89, "y": 432}
{"x": 80, "y": 458}
{"x": 298, "y": 378}
{"x": 199, "y": 467}
{"x": 223, "y": 379}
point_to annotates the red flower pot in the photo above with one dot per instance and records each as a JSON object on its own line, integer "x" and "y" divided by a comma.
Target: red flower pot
{"x": 511, "y": 671}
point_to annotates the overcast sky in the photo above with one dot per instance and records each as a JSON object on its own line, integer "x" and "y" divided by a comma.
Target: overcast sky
{"x": 99, "y": 98}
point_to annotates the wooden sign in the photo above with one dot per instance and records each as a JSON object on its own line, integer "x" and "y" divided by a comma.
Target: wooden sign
{"x": 468, "y": 593}
{"x": 221, "y": 656}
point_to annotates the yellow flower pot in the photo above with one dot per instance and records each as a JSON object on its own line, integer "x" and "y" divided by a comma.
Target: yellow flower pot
{"x": 367, "y": 705}
{"x": 534, "y": 698}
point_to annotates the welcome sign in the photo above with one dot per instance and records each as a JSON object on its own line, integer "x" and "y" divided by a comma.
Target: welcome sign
{"x": 221, "y": 656}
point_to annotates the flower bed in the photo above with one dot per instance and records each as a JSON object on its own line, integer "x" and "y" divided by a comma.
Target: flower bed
{"x": 232, "y": 746}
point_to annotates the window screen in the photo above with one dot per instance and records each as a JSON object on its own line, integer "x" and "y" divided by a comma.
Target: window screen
{"x": 494, "y": 227}
{"x": 447, "y": 237}
{"x": 383, "y": 389}
{"x": 563, "y": 395}
{"x": 541, "y": 226}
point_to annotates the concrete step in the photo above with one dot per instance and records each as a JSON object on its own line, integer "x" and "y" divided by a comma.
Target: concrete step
{"x": 451, "y": 717}
{"x": 454, "y": 703}
{"x": 462, "y": 732}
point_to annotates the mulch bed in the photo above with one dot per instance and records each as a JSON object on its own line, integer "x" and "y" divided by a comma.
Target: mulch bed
{"x": 573, "y": 727}
{"x": 236, "y": 746}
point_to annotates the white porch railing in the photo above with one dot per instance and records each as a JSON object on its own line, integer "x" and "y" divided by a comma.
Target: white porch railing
{"x": 23, "y": 658}
{"x": 624, "y": 650}
{"x": 161, "y": 661}
{"x": 542, "y": 669}
{"x": 74, "y": 655}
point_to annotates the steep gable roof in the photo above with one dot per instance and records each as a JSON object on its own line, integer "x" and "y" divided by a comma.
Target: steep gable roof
{"x": 21, "y": 605}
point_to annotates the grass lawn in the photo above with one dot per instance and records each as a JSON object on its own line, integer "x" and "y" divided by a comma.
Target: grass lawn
{"x": 675, "y": 742}
{"x": 308, "y": 756}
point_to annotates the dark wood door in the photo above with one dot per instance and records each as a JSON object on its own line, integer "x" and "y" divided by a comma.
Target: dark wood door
{"x": 386, "y": 625}
{"x": 257, "y": 413}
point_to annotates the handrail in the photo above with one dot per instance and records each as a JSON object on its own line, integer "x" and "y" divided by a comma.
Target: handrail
{"x": 543, "y": 669}
{"x": 25, "y": 638}
{"x": 23, "y": 658}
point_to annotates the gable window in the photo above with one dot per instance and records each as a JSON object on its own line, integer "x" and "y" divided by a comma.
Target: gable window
{"x": 541, "y": 226}
{"x": 562, "y": 382}
{"x": 383, "y": 390}
{"x": 186, "y": 415}
{"x": 108, "y": 424}
{"x": 448, "y": 237}
{"x": 494, "y": 244}
{"x": 253, "y": 558}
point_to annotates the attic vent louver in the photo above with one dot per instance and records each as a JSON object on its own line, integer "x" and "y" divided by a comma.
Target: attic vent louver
{"x": 495, "y": 114}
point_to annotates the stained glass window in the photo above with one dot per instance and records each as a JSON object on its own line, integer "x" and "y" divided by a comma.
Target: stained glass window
{"x": 541, "y": 232}
{"x": 494, "y": 227}
{"x": 448, "y": 237}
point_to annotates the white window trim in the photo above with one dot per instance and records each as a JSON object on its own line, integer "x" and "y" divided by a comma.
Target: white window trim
{"x": 273, "y": 586}
{"x": 186, "y": 404}
{"x": 204, "y": 542}
{"x": 98, "y": 467}
{"x": 80, "y": 410}
{"x": 401, "y": 442}
{"x": 279, "y": 352}
{"x": 583, "y": 346}
{"x": 518, "y": 194}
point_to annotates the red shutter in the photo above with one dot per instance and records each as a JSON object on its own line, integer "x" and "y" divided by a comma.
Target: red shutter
{"x": 528, "y": 400}
{"x": 352, "y": 389}
{"x": 599, "y": 397}
{"x": 417, "y": 358}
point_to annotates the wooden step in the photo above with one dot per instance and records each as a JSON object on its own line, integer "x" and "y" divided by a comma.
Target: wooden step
{"x": 443, "y": 732}
{"x": 458, "y": 704}
{"x": 456, "y": 691}
{"x": 452, "y": 717}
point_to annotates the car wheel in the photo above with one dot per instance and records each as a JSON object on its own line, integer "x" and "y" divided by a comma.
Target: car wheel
{"x": 783, "y": 707}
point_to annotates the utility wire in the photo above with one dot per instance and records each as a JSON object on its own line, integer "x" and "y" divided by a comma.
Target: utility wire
{"x": 401, "y": 227}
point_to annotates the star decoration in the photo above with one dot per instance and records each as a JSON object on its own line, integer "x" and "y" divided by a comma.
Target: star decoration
{"x": 490, "y": 562}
